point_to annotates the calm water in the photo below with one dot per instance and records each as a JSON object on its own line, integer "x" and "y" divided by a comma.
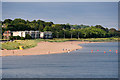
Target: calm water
{"x": 77, "y": 64}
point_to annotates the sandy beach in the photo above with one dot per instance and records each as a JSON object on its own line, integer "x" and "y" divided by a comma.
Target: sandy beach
{"x": 46, "y": 48}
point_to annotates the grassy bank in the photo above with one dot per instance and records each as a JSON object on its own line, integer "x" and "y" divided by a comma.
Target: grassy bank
{"x": 32, "y": 43}
{"x": 15, "y": 44}
{"x": 100, "y": 39}
{"x": 87, "y": 39}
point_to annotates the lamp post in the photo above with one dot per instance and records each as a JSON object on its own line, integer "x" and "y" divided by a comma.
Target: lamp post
{"x": 57, "y": 34}
{"x": 71, "y": 35}
{"x": 64, "y": 32}
{"x": 78, "y": 35}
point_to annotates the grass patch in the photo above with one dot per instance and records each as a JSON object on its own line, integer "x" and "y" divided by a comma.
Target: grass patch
{"x": 15, "y": 44}
{"x": 100, "y": 39}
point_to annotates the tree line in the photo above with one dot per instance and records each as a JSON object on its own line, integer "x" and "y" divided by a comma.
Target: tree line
{"x": 59, "y": 30}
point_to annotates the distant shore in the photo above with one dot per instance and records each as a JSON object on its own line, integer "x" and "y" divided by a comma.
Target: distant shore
{"x": 44, "y": 48}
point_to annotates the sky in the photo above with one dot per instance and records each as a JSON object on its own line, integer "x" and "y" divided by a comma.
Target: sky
{"x": 88, "y": 13}
{"x": 60, "y": 0}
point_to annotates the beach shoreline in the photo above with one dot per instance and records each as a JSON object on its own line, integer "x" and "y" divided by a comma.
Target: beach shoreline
{"x": 44, "y": 48}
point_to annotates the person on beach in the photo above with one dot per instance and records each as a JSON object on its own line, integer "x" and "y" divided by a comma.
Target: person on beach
{"x": 13, "y": 52}
{"x": 68, "y": 51}
{"x": 48, "y": 52}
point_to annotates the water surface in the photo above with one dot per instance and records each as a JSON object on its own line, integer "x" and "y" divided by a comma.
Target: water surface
{"x": 77, "y": 64}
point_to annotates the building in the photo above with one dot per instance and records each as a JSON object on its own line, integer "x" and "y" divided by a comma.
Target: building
{"x": 46, "y": 35}
{"x": 19, "y": 33}
{"x": 7, "y": 34}
{"x": 33, "y": 34}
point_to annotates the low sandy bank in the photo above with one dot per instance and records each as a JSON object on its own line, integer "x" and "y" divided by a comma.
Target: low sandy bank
{"x": 46, "y": 48}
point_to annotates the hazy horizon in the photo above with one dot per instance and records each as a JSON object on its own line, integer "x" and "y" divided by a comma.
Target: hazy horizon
{"x": 87, "y": 13}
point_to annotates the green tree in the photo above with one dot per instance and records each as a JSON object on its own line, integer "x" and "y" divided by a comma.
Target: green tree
{"x": 27, "y": 36}
{"x": 17, "y": 21}
{"x": 47, "y": 28}
{"x": 8, "y": 21}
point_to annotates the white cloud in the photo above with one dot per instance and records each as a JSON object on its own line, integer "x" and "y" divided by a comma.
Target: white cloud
{"x": 60, "y": 0}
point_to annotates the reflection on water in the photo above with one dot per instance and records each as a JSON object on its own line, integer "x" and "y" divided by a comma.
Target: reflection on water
{"x": 77, "y": 64}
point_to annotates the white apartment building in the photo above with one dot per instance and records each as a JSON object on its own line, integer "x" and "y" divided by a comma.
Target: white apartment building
{"x": 33, "y": 34}
{"x": 46, "y": 35}
{"x": 19, "y": 33}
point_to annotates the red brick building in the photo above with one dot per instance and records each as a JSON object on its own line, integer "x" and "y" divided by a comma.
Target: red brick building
{"x": 6, "y": 34}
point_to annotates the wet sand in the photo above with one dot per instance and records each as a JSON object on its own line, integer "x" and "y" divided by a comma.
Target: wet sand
{"x": 44, "y": 48}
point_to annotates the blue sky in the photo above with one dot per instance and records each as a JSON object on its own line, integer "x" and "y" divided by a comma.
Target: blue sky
{"x": 89, "y": 13}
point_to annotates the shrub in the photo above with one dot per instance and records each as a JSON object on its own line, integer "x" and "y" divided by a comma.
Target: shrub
{"x": 22, "y": 38}
{"x": 15, "y": 37}
{"x": 27, "y": 36}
